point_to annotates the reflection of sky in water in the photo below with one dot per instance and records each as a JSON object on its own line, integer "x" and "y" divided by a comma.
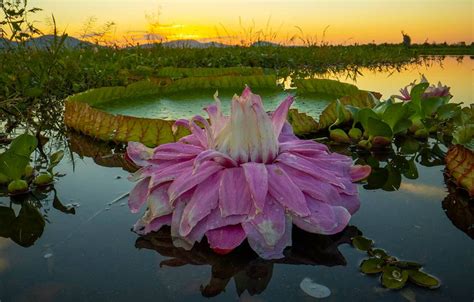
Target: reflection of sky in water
{"x": 95, "y": 258}
{"x": 456, "y": 74}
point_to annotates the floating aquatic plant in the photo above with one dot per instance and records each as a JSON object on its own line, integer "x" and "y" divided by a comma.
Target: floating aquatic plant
{"x": 15, "y": 168}
{"x": 243, "y": 176}
{"x": 395, "y": 273}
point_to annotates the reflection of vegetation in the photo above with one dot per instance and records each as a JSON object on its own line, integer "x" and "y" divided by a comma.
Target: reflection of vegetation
{"x": 28, "y": 225}
{"x": 250, "y": 272}
{"x": 395, "y": 273}
{"x": 459, "y": 207}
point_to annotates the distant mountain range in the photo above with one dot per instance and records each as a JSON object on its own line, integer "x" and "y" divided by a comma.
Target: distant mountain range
{"x": 47, "y": 40}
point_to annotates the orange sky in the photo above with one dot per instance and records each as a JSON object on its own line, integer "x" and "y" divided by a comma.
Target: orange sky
{"x": 349, "y": 21}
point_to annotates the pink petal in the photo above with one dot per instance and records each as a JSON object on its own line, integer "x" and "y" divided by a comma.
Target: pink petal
{"x": 175, "y": 151}
{"x": 226, "y": 238}
{"x": 324, "y": 219}
{"x": 256, "y": 176}
{"x": 139, "y": 195}
{"x": 143, "y": 228}
{"x": 234, "y": 195}
{"x": 304, "y": 147}
{"x": 213, "y": 221}
{"x": 160, "y": 175}
{"x": 139, "y": 153}
{"x": 188, "y": 180}
{"x": 284, "y": 190}
{"x": 204, "y": 200}
{"x": 309, "y": 167}
{"x": 359, "y": 172}
{"x": 179, "y": 241}
{"x": 270, "y": 223}
{"x": 287, "y": 134}
{"x": 258, "y": 244}
{"x": 280, "y": 114}
{"x": 217, "y": 156}
{"x": 158, "y": 201}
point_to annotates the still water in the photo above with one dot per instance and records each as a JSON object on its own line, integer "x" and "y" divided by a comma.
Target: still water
{"x": 91, "y": 254}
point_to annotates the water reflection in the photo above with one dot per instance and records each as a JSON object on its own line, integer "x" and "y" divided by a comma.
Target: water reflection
{"x": 23, "y": 220}
{"x": 250, "y": 273}
{"x": 459, "y": 208}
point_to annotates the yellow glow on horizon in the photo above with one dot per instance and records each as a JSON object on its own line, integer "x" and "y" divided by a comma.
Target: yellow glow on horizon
{"x": 356, "y": 21}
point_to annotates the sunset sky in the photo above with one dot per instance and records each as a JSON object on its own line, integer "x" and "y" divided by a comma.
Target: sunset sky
{"x": 349, "y": 21}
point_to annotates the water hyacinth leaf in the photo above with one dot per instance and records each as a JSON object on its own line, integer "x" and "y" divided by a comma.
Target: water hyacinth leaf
{"x": 13, "y": 165}
{"x": 23, "y": 145}
{"x": 408, "y": 265}
{"x": 423, "y": 279}
{"x": 410, "y": 145}
{"x": 372, "y": 266}
{"x": 377, "y": 127}
{"x": 54, "y": 159}
{"x": 447, "y": 111}
{"x": 382, "y": 107}
{"x": 417, "y": 91}
{"x": 430, "y": 105}
{"x": 340, "y": 113}
{"x": 393, "y": 277}
{"x": 379, "y": 253}
{"x": 464, "y": 135}
{"x": 361, "y": 243}
{"x": 412, "y": 171}
{"x": 364, "y": 115}
{"x": 361, "y": 99}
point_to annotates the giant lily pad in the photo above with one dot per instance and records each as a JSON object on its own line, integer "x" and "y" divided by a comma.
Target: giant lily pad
{"x": 145, "y": 111}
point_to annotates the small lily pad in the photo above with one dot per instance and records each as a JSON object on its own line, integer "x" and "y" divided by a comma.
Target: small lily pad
{"x": 372, "y": 266}
{"x": 394, "y": 277}
{"x": 362, "y": 243}
{"x": 423, "y": 279}
{"x": 313, "y": 289}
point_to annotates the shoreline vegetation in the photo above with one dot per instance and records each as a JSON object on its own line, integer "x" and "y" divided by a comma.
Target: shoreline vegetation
{"x": 38, "y": 71}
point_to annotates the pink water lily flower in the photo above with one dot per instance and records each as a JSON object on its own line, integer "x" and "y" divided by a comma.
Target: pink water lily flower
{"x": 439, "y": 90}
{"x": 243, "y": 176}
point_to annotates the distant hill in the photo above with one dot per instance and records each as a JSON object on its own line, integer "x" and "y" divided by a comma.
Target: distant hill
{"x": 45, "y": 41}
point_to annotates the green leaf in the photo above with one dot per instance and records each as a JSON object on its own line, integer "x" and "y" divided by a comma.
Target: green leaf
{"x": 340, "y": 113}
{"x": 393, "y": 277}
{"x": 363, "y": 117}
{"x": 379, "y": 253}
{"x": 410, "y": 145}
{"x": 372, "y": 266}
{"x": 423, "y": 279}
{"x": 408, "y": 265}
{"x": 417, "y": 91}
{"x": 430, "y": 106}
{"x": 448, "y": 111}
{"x": 412, "y": 171}
{"x": 54, "y": 159}
{"x": 361, "y": 243}
{"x": 377, "y": 127}
{"x": 23, "y": 145}
{"x": 13, "y": 165}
